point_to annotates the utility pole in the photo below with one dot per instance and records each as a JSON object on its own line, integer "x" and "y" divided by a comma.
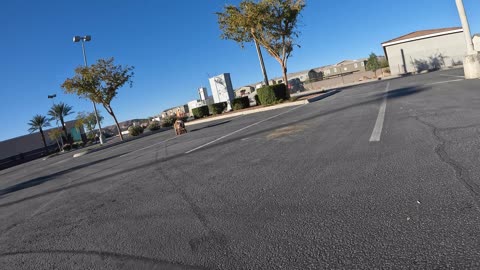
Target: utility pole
{"x": 471, "y": 63}
{"x": 83, "y": 40}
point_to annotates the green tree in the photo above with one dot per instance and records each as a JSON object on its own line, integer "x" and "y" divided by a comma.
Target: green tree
{"x": 271, "y": 23}
{"x": 89, "y": 121}
{"x": 373, "y": 64}
{"x": 384, "y": 63}
{"x": 59, "y": 112}
{"x": 39, "y": 122}
{"x": 100, "y": 83}
{"x": 55, "y": 134}
{"x": 239, "y": 24}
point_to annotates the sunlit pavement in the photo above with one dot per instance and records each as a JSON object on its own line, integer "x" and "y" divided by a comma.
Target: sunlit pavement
{"x": 382, "y": 175}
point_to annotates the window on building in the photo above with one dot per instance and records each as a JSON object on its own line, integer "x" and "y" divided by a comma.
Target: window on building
{"x": 363, "y": 64}
{"x": 345, "y": 68}
{"x": 355, "y": 65}
{"x": 334, "y": 69}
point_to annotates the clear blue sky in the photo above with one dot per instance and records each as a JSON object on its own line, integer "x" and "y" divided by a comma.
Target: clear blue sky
{"x": 174, "y": 45}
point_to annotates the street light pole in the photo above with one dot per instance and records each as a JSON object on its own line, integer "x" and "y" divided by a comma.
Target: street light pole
{"x": 471, "y": 63}
{"x": 83, "y": 40}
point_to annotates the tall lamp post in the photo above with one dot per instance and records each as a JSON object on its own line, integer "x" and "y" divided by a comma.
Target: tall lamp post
{"x": 471, "y": 63}
{"x": 83, "y": 40}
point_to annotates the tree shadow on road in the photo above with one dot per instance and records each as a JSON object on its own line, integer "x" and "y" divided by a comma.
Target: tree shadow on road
{"x": 403, "y": 92}
{"x": 392, "y": 94}
{"x": 212, "y": 125}
{"x": 42, "y": 179}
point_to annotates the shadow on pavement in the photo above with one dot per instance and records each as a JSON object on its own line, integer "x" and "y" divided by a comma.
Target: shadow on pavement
{"x": 42, "y": 179}
{"x": 403, "y": 92}
{"x": 210, "y": 126}
{"x": 392, "y": 94}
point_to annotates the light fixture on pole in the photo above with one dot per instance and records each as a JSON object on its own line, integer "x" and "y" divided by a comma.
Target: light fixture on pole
{"x": 83, "y": 40}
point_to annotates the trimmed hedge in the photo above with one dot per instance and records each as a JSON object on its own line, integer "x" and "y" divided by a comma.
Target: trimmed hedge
{"x": 154, "y": 126}
{"x": 200, "y": 112}
{"x": 272, "y": 94}
{"x": 170, "y": 120}
{"x": 167, "y": 121}
{"x": 240, "y": 103}
{"x": 217, "y": 108}
{"x": 135, "y": 130}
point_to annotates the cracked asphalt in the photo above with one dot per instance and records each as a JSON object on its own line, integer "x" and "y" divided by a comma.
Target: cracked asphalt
{"x": 292, "y": 188}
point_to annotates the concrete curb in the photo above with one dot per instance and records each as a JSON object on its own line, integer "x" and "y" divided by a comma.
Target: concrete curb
{"x": 81, "y": 154}
{"x": 340, "y": 87}
{"x": 264, "y": 109}
{"x": 231, "y": 115}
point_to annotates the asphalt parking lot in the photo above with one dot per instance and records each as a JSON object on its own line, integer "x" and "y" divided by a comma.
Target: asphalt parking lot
{"x": 382, "y": 175}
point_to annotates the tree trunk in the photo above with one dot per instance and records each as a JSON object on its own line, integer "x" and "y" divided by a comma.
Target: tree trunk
{"x": 262, "y": 64}
{"x": 65, "y": 131}
{"x": 110, "y": 111}
{"x": 43, "y": 139}
{"x": 285, "y": 79}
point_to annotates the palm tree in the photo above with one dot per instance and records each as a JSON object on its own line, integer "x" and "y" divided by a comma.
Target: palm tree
{"x": 59, "y": 112}
{"x": 39, "y": 122}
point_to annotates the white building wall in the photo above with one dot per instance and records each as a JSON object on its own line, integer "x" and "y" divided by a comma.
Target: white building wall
{"x": 222, "y": 89}
{"x": 202, "y": 91}
{"x": 452, "y": 47}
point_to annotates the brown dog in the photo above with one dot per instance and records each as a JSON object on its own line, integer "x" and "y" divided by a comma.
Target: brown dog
{"x": 179, "y": 127}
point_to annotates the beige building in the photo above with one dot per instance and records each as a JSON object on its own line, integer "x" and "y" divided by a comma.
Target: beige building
{"x": 476, "y": 42}
{"x": 244, "y": 91}
{"x": 173, "y": 111}
{"x": 425, "y": 50}
{"x": 344, "y": 68}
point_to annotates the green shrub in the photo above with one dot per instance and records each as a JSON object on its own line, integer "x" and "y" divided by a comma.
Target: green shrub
{"x": 154, "y": 126}
{"x": 67, "y": 147}
{"x": 272, "y": 94}
{"x": 168, "y": 121}
{"x": 217, "y": 108}
{"x": 200, "y": 112}
{"x": 135, "y": 130}
{"x": 240, "y": 103}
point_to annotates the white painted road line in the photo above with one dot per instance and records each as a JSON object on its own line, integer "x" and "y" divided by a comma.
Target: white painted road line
{"x": 377, "y": 130}
{"x": 455, "y": 76}
{"x": 236, "y": 131}
{"x": 459, "y": 80}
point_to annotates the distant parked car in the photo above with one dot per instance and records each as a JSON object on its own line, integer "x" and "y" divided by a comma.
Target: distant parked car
{"x": 295, "y": 86}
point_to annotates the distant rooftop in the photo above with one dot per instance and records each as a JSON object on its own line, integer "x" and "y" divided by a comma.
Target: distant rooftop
{"x": 422, "y": 34}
